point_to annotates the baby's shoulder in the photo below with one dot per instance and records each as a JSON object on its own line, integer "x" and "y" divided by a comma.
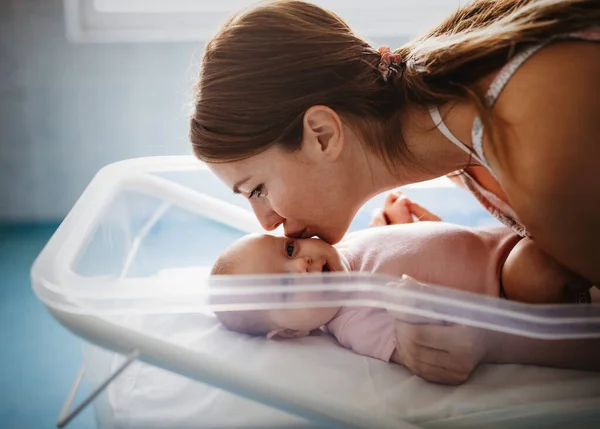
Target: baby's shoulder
{"x": 384, "y": 236}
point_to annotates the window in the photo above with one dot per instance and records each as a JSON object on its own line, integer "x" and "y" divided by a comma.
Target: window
{"x": 197, "y": 20}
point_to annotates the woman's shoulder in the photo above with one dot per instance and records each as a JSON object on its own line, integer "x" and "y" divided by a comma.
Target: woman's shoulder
{"x": 550, "y": 106}
{"x": 561, "y": 70}
{"x": 547, "y": 151}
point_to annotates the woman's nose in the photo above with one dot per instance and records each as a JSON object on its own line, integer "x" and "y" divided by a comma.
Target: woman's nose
{"x": 267, "y": 217}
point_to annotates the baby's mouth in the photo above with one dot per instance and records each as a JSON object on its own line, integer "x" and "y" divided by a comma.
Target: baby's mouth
{"x": 327, "y": 268}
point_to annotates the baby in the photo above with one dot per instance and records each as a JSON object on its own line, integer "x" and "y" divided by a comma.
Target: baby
{"x": 437, "y": 253}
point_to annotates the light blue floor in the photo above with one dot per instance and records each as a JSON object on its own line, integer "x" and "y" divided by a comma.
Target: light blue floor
{"x": 38, "y": 358}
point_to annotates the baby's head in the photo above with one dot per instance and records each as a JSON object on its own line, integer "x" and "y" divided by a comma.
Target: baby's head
{"x": 266, "y": 254}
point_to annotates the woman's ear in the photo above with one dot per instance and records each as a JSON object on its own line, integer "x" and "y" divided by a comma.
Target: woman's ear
{"x": 323, "y": 134}
{"x": 283, "y": 333}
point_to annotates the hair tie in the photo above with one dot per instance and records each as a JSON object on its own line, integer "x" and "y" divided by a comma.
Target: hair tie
{"x": 390, "y": 62}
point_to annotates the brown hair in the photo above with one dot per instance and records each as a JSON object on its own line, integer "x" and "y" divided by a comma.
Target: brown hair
{"x": 269, "y": 64}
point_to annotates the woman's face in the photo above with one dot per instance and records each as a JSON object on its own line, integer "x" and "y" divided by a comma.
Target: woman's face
{"x": 308, "y": 193}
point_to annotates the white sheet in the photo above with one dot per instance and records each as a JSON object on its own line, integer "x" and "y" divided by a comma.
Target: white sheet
{"x": 147, "y": 397}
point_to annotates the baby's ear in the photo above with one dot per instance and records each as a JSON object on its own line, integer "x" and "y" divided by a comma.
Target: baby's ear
{"x": 404, "y": 281}
{"x": 408, "y": 278}
{"x": 283, "y": 333}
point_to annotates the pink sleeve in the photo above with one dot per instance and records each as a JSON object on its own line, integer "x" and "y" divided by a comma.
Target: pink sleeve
{"x": 366, "y": 331}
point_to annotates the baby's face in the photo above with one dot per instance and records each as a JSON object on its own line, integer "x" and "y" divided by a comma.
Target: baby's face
{"x": 266, "y": 254}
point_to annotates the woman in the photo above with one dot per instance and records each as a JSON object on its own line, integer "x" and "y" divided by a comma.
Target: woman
{"x": 308, "y": 121}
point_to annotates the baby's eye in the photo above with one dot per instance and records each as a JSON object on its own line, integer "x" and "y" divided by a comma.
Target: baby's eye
{"x": 256, "y": 192}
{"x": 289, "y": 248}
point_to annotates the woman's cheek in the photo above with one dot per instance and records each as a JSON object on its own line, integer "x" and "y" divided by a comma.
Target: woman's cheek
{"x": 290, "y": 204}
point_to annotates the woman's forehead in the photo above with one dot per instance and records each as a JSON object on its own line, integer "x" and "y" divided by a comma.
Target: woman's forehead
{"x": 234, "y": 170}
{"x": 272, "y": 163}
{"x": 233, "y": 176}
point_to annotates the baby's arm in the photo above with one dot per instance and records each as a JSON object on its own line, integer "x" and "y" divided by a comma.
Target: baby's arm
{"x": 530, "y": 275}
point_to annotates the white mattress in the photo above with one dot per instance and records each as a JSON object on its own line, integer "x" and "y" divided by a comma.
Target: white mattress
{"x": 147, "y": 397}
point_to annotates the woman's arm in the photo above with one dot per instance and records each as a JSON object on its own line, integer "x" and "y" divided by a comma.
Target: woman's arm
{"x": 547, "y": 152}
{"x": 449, "y": 353}
{"x": 571, "y": 354}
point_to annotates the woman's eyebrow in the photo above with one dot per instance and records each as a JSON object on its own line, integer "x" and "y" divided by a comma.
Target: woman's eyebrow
{"x": 236, "y": 186}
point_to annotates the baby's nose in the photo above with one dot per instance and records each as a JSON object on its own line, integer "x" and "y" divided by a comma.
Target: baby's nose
{"x": 302, "y": 264}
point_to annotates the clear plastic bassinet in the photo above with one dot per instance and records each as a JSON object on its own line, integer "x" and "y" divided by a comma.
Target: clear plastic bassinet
{"x": 127, "y": 271}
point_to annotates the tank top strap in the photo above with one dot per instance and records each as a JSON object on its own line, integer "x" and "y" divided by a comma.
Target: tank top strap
{"x": 496, "y": 87}
{"x": 506, "y": 72}
{"x": 492, "y": 94}
{"x": 509, "y": 69}
{"x": 441, "y": 126}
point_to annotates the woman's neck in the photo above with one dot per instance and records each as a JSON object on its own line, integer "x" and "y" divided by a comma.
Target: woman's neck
{"x": 429, "y": 153}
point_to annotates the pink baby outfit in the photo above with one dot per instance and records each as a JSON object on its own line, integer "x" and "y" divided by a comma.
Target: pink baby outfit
{"x": 431, "y": 252}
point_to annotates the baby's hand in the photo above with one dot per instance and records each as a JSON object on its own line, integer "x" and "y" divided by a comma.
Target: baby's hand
{"x": 398, "y": 209}
{"x": 445, "y": 354}
{"x": 436, "y": 350}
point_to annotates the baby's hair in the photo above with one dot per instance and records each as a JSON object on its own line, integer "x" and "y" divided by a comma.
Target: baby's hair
{"x": 223, "y": 265}
{"x": 230, "y": 258}
{"x": 252, "y": 322}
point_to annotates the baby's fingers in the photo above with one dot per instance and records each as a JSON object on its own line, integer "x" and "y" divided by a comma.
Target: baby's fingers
{"x": 436, "y": 374}
{"x": 433, "y": 365}
{"x": 421, "y": 213}
{"x": 378, "y": 218}
{"x": 399, "y": 211}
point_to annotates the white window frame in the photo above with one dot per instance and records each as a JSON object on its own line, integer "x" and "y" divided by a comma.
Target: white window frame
{"x": 131, "y": 21}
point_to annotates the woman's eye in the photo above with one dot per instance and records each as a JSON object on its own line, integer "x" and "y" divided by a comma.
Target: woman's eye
{"x": 256, "y": 192}
{"x": 289, "y": 249}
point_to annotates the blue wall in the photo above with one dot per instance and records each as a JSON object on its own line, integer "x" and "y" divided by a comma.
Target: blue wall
{"x": 68, "y": 109}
